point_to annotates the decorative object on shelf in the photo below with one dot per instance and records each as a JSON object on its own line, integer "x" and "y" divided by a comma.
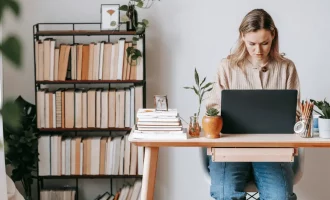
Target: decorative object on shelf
{"x": 212, "y": 123}
{"x": 160, "y": 102}
{"x": 324, "y": 118}
{"x": 110, "y": 17}
{"x": 22, "y": 146}
{"x": 200, "y": 89}
{"x": 132, "y": 15}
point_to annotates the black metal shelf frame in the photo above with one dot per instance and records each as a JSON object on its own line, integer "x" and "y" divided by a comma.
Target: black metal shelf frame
{"x": 37, "y": 33}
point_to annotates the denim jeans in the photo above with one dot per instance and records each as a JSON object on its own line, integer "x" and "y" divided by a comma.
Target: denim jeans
{"x": 274, "y": 180}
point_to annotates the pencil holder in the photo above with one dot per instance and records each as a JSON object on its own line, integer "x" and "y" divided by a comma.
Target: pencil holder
{"x": 304, "y": 128}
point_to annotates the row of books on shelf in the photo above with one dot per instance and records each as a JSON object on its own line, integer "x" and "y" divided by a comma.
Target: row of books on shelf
{"x": 94, "y": 61}
{"x": 89, "y": 156}
{"x": 153, "y": 124}
{"x": 59, "y": 194}
{"x": 92, "y": 108}
{"x": 127, "y": 192}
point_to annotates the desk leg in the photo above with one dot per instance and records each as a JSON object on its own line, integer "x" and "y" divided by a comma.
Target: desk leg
{"x": 149, "y": 173}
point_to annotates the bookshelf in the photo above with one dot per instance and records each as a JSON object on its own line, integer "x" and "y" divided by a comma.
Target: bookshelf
{"x": 75, "y": 32}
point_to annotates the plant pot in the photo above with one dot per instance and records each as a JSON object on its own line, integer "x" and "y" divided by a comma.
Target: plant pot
{"x": 212, "y": 126}
{"x": 324, "y": 128}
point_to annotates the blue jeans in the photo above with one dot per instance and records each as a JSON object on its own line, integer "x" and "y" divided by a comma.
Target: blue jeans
{"x": 274, "y": 180}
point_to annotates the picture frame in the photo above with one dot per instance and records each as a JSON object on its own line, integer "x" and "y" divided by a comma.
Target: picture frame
{"x": 110, "y": 16}
{"x": 161, "y": 103}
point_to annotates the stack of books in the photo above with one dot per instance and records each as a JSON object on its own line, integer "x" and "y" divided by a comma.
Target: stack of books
{"x": 154, "y": 124}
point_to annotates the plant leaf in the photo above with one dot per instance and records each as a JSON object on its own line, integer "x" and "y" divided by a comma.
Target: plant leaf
{"x": 207, "y": 85}
{"x": 14, "y": 6}
{"x": 188, "y": 88}
{"x": 123, "y": 8}
{"x": 135, "y": 57}
{"x": 196, "y": 91}
{"x": 137, "y": 52}
{"x": 11, "y": 114}
{"x": 124, "y": 18}
{"x": 135, "y": 39}
{"x": 196, "y": 77}
{"x": 139, "y": 4}
{"x": 140, "y": 30}
{"x": 146, "y": 22}
{"x": 202, "y": 81}
{"x": 11, "y": 48}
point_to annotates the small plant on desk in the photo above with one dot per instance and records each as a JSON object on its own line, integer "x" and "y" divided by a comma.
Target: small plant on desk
{"x": 200, "y": 89}
{"x": 324, "y": 120}
{"x": 212, "y": 123}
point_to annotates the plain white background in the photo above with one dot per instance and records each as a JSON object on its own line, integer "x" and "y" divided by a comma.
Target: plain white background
{"x": 183, "y": 35}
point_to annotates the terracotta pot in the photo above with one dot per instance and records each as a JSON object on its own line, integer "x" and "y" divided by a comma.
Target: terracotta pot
{"x": 212, "y": 126}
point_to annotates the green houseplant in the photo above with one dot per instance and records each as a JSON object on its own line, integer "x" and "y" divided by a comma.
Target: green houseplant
{"x": 324, "y": 119}
{"x": 200, "y": 89}
{"x": 212, "y": 123}
{"x": 22, "y": 146}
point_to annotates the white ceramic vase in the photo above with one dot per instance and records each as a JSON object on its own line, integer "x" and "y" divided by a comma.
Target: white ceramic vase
{"x": 324, "y": 128}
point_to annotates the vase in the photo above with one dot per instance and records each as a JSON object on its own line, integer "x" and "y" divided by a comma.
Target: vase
{"x": 212, "y": 126}
{"x": 324, "y": 128}
{"x": 194, "y": 128}
{"x": 133, "y": 16}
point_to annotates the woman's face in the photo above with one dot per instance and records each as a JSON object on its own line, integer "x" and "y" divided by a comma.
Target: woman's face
{"x": 258, "y": 43}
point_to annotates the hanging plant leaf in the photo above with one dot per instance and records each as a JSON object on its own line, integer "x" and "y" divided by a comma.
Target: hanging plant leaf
{"x": 140, "y": 30}
{"x": 123, "y": 8}
{"x": 135, "y": 39}
{"x": 11, "y": 48}
{"x": 139, "y": 4}
{"x": 145, "y": 22}
{"x": 12, "y": 4}
{"x": 11, "y": 114}
{"x": 124, "y": 18}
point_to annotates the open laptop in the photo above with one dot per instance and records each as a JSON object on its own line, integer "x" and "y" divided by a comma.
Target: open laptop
{"x": 258, "y": 111}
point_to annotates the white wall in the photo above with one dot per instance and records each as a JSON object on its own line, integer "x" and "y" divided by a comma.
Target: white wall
{"x": 186, "y": 34}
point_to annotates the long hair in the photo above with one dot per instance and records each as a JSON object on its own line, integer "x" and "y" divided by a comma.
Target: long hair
{"x": 255, "y": 20}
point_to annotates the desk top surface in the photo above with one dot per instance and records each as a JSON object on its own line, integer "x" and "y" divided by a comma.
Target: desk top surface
{"x": 237, "y": 140}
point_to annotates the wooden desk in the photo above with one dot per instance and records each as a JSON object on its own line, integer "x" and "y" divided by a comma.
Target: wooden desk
{"x": 227, "y": 140}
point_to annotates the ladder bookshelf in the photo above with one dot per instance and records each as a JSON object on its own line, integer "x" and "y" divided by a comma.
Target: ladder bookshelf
{"x": 74, "y": 32}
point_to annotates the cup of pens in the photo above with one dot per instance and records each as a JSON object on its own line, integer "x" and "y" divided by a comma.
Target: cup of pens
{"x": 304, "y": 127}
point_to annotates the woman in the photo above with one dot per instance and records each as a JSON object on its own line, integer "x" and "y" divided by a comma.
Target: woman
{"x": 255, "y": 64}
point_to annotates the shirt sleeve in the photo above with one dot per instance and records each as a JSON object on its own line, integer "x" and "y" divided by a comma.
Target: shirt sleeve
{"x": 293, "y": 83}
{"x": 213, "y": 97}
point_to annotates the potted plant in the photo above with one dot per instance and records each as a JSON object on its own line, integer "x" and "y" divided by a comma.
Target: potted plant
{"x": 200, "y": 89}
{"x": 212, "y": 123}
{"x": 324, "y": 119}
{"x": 22, "y": 146}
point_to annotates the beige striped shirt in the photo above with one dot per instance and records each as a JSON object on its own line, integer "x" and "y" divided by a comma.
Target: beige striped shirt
{"x": 279, "y": 75}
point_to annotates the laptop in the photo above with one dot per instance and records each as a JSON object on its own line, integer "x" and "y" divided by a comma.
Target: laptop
{"x": 258, "y": 111}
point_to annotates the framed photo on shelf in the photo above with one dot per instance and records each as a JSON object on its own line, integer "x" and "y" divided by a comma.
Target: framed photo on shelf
{"x": 110, "y": 17}
{"x": 160, "y": 102}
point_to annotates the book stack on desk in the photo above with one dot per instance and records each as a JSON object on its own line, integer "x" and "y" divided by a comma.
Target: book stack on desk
{"x": 158, "y": 124}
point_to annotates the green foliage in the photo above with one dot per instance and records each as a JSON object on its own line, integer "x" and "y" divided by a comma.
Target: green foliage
{"x": 22, "y": 145}
{"x": 324, "y": 108}
{"x": 200, "y": 89}
{"x": 134, "y": 54}
{"x": 212, "y": 112}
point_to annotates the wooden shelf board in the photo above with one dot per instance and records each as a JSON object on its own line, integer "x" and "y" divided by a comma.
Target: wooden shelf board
{"x": 82, "y": 129}
{"x": 83, "y": 32}
{"x": 89, "y": 81}
{"x": 89, "y": 176}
